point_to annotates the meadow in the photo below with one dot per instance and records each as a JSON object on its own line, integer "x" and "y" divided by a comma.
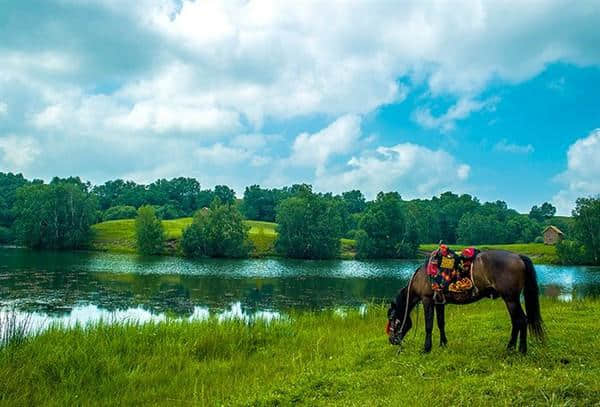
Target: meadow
{"x": 310, "y": 358}
{"x": 119, "y": 236}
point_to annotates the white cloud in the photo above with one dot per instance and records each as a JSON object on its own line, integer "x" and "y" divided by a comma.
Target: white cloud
{"x": 17, "y": 152}
{"x": 413, "y": 170}
{"x": 582, "y": 176}
{"x": 313, "y": 150}
{"x": 506, "y": 147}
{"x": 459, "y": 111}
{"x": 3, "y": 108}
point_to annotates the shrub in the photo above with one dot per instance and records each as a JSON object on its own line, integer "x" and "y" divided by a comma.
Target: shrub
{"x": 216, "y": 232}
{"x": 120, "y": 212}
{"x": 169, "y": 211}
{"x": 149, "y": 232}
{"x": 571, "y": 252}
{"x": 539, "y": 239}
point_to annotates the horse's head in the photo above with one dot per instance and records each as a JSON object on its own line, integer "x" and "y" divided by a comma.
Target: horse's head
{"x": 399, "y": 322}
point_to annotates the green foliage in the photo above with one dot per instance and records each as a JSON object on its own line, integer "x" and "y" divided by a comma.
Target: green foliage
{"x": 309, "y": 226}
{"x": 6, "y": 235}
{"x": 56, "y": 215}
{"x": 544, "y": 212}
{"x": 310, "y": 358}
{"x": 216, "y": 232}
{"x": 225, "y": 194}
{"x": 355, "y": 201}
{"x": 119, "y": 212}
{"x": 169, "y": 211}
{"x": 149, "y": 232}
{"x": 586, "y": 217}
{"x": 572, "y": 252}
{"x": 386, "y": 231}
{"x": 9, "y": 184}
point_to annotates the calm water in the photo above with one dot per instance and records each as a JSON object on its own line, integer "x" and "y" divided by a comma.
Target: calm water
{"x": 82, "y": 287}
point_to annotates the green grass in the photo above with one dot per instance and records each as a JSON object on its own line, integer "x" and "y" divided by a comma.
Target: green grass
{"x": 539, "y": 252}
{"x": 310, "y": 359}
{"x": 119, "y": 235}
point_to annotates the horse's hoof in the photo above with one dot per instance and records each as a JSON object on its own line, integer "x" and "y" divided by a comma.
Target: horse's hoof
{"x": 444, "y": 344}
{"x": 427, "y": 350}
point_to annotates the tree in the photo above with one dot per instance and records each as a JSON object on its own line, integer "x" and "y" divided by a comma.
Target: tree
{"x": 259, "y": 203}
{"x": 309, "y": 227}
{"x": 225, "y": 194}
{"x": 216, "y": 232}
{"x": 586, "y": 216}
{"x": 383, "y": 230}
{"x": 119, "y": 212}
{"x": 149, "y": 232}
{"x": 544, "y": 212}
{"x": 355, "y": 201}
{"x": 56, "y": 215}
{"x": 9, "y": 184}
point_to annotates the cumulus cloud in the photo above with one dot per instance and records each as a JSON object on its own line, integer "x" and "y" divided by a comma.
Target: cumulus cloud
{"x": 17, "y": 152}
{"x": 134, "y": 77}
{"x": 581, "y": 178}
{"x": 459, "y": 111}
{"x": 413, "y": 170}
{"x": 313, "y": 150}
{"x": 506, "y": 147}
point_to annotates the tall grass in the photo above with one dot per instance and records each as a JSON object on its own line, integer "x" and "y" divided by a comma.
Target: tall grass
{"x": 309, "y": 359}
{"x": 15, "y": 327}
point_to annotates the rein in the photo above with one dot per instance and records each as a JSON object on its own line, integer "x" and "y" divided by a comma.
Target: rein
{"x": 407, "y": 299}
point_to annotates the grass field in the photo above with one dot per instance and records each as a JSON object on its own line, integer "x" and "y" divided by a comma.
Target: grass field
{"x": 310, "y": 359}
{"x": 119, "y": 235}
{"x": 539, "y": 252}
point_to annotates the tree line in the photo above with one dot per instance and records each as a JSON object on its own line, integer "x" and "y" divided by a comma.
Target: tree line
{"x": 59, "y": 214}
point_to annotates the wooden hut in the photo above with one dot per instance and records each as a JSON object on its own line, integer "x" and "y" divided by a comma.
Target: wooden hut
{"x": 552, "y": 235}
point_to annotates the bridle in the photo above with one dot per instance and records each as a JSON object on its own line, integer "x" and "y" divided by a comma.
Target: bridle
{"x": 396, "y": 320}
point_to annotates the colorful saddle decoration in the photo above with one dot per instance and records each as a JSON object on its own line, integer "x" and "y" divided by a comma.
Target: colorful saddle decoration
{"x": 449, "y": 271}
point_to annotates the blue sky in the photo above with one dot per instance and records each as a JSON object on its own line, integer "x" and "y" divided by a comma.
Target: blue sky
{"x": 495, "y": 99}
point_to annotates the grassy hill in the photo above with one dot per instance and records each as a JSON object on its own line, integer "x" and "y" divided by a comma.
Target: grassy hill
{"x": 538, "y": 252}
{"x": 317, "y": 358}
{"x": 119, "y": 235}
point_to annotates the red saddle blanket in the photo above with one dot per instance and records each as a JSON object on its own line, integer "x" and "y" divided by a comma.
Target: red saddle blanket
{"x": 451, "y": 271}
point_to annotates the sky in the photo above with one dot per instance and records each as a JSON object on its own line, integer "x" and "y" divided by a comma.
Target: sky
{"x": 498, "y": 99}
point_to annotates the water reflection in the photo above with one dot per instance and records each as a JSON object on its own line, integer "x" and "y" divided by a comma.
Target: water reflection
{"x": 90, "y": 286}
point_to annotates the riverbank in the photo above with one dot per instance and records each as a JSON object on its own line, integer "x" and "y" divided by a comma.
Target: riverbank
{"x": 311, "y": 358}
{"x": 118, "y": 236}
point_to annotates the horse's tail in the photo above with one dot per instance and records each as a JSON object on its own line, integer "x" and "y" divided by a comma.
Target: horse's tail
{"x": 532, "y": 301}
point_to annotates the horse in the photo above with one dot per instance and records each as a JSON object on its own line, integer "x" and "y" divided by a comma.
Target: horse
{"x": 495, "y": 273}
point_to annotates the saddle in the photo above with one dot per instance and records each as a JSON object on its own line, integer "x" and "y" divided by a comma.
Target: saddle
{"x": 449, "y": 271}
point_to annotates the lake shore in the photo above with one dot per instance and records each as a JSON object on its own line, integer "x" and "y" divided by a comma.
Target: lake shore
{"x": 311, "y": 358}
{"x": 119, "y": 237}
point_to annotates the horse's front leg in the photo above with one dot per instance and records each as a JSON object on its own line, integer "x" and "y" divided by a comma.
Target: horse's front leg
{"x": 428, "y": 308}
{"x": 441, "y": 321}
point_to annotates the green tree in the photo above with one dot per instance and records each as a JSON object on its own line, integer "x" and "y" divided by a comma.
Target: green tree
{"x": 149, "y": 231}
{"x": 586, "y": 216}
{"x": 55, "y": 216}
{"x": 355, "y": 201}
{"x": 217, "y": 232}
{"x": 544, "y": 212}
{"x": 119, "y": 212}
{"x": 309, "y": 226}
{"x": 225, "y": 194}
{"x": 384, "y": 230}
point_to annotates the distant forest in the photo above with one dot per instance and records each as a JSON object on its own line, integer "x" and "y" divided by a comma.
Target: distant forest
{"x": 450, "y": 217}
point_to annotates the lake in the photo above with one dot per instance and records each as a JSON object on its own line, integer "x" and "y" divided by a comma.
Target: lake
{"x": 79, "y": 287}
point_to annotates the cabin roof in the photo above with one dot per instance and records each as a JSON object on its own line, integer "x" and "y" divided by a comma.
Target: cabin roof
{"x": 553, "y": 228}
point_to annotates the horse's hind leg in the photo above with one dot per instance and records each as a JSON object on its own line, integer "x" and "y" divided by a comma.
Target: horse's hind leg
{"x": 428, "y": 307}
{"x": 519, "y": 324}
{"x": 441, "y": 321}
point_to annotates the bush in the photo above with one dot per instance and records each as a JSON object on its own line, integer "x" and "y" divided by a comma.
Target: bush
{"x": 571, "y": 252}
{"x": 539, "y": 239}
{"x": 120, "y": 212}
{"x": 216, "y": 232}
{"x": 149, "y": 232}
{"x": 309, "y": 227}
{"x": 169, "y": 211}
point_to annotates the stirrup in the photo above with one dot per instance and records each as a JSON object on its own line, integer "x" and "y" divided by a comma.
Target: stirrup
{"x": 436, "y": 298}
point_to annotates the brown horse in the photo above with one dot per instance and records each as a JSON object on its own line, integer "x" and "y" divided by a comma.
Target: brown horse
{"x": 496, "y": 274}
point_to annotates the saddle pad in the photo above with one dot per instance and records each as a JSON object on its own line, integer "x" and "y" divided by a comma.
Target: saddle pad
{"x": 447, "y": 262}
